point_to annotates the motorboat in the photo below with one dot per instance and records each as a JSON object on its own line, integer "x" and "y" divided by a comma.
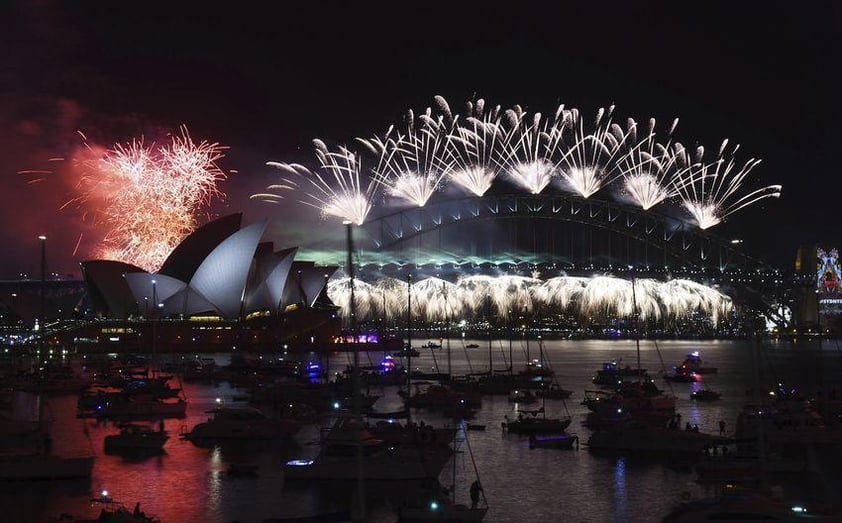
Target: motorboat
{"x": 535, "y": 424}
{"x": 705, "y": 395}
{"x": 140, "y": 406}
{"x": 472, "y": 346}
{"x": 338, "y": 458}
{"x": 247, "y": 423}
{"x": 136, "y": 437}
{"x": 553, "y": 391}
{"x": 640, "y": 437}
{"x": 554, "y": 441}
{"x": 612, "y": 373}
{"x": 431, "y": 345}
{"x": 738, "y": 504}
{"x": 522, "y": 396}
{"x": 683, "y": 377}
{"x": 693, "y": 364}
{"x": 111, "y": 511}
{"x": 437, "y": 510}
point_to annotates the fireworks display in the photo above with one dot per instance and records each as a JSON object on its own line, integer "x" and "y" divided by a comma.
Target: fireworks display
{"x": 648, "y": 168}
{"x": 478, "y": 296}
{"x": 412, "y": 166}
{"x": 345, "y": 198}
{"x": 148, "y": 196}
{"x": 712, "y": 191}
{"x": 473, "y": 150}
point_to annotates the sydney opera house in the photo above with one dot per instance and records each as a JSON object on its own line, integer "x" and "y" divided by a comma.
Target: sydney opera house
{"x": 222, "y": 286}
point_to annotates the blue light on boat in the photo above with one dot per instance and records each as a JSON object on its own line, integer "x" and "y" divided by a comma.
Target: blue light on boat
{"x": 800, "y": 510}
{"x": 434, "y": 505}
{"x": 300, "y": 462}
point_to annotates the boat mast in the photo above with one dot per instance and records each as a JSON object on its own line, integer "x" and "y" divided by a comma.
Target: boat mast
{"x": 636, "y": 326}
{"x": 408, "y": 345}
{"x": 358, "y": 416}
{"x": 447, "y": 326}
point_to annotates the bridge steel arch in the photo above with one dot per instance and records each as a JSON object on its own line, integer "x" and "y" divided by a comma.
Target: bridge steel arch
{"x": 677, "y": 239}
{"x": 689, "y": 246}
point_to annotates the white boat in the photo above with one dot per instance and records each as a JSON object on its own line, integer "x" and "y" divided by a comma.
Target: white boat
{"x": 242, "y": 423}
{"x": 338, "y": 459}
{"x": 20, "y": 467}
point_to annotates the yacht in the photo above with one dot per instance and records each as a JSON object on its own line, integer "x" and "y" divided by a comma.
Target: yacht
{"x": 636, "y": 437}
{"x": 136, "y": 437}
{"x": 242, "y": 423}
{"x": 338, "y": 458}
{"x": 693, "y": 364}
{"x": 535, "y": 424}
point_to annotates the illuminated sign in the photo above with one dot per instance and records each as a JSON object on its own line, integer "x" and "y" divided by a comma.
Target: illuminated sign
{"x": 828, "y": 281}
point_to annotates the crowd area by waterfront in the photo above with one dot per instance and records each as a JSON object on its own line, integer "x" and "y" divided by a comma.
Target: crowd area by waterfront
{"x": 220, "y": 480}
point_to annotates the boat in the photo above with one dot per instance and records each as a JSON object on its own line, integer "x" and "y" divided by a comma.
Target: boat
{"x": 693, "y": 363}
{"x": 683, "y": 377}
{"x": 111, "y": 511}
{"x": 136, "y": 437}
{"x": 21, "y": 467}
{"x": 472, "y": 346}
{"x": 338, "y": 458}
{"x": 553, "y": 391}
{"x": 522, "y": 396}
{"x": 439, "y": 504}
{"x": 436, "y": 510}
{"x": 403, "y": 353}
{"x": 612, "y": 373}
{"x": 554, "y": 441}
{"x": 739, "y": 504}
{"x": 535, "y": 424}
{"x": 431, "y": 345}
{"x": 29, "y": 456}
{"x": 639, "y": 437}
{"x": 247, "y": 423}
{"x": 705, "y": 395}
{"x": 140, "y": 406}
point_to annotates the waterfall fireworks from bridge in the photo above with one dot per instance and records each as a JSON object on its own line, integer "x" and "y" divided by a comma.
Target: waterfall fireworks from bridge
{"x": 437, "y": 151}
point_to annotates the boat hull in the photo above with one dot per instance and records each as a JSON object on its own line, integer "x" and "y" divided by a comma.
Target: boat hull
{"x": 44, "y": 466}
{"x": 398, "y": 465}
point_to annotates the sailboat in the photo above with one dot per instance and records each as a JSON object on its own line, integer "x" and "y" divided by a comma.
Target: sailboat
{"x": 34, "y": 459}
{"x": 441, "y": 505}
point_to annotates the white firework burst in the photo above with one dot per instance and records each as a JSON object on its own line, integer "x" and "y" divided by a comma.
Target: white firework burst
{"x": 712, "y": 191}
{"x": 648, "y": 167}
{"x": 412, "y": 165}
{"x": 475, "y": 146}
{"x": 588, "y": 160}
{"x": 345, "y": 197}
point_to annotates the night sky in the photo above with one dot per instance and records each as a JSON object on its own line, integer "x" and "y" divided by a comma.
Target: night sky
{"x": 264, "y": 81}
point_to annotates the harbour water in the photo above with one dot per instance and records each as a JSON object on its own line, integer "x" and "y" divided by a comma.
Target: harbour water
{"x": 189, "y": 483}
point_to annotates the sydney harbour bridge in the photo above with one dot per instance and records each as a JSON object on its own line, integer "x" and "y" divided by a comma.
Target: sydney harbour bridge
{"x": 547, "y": 235}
